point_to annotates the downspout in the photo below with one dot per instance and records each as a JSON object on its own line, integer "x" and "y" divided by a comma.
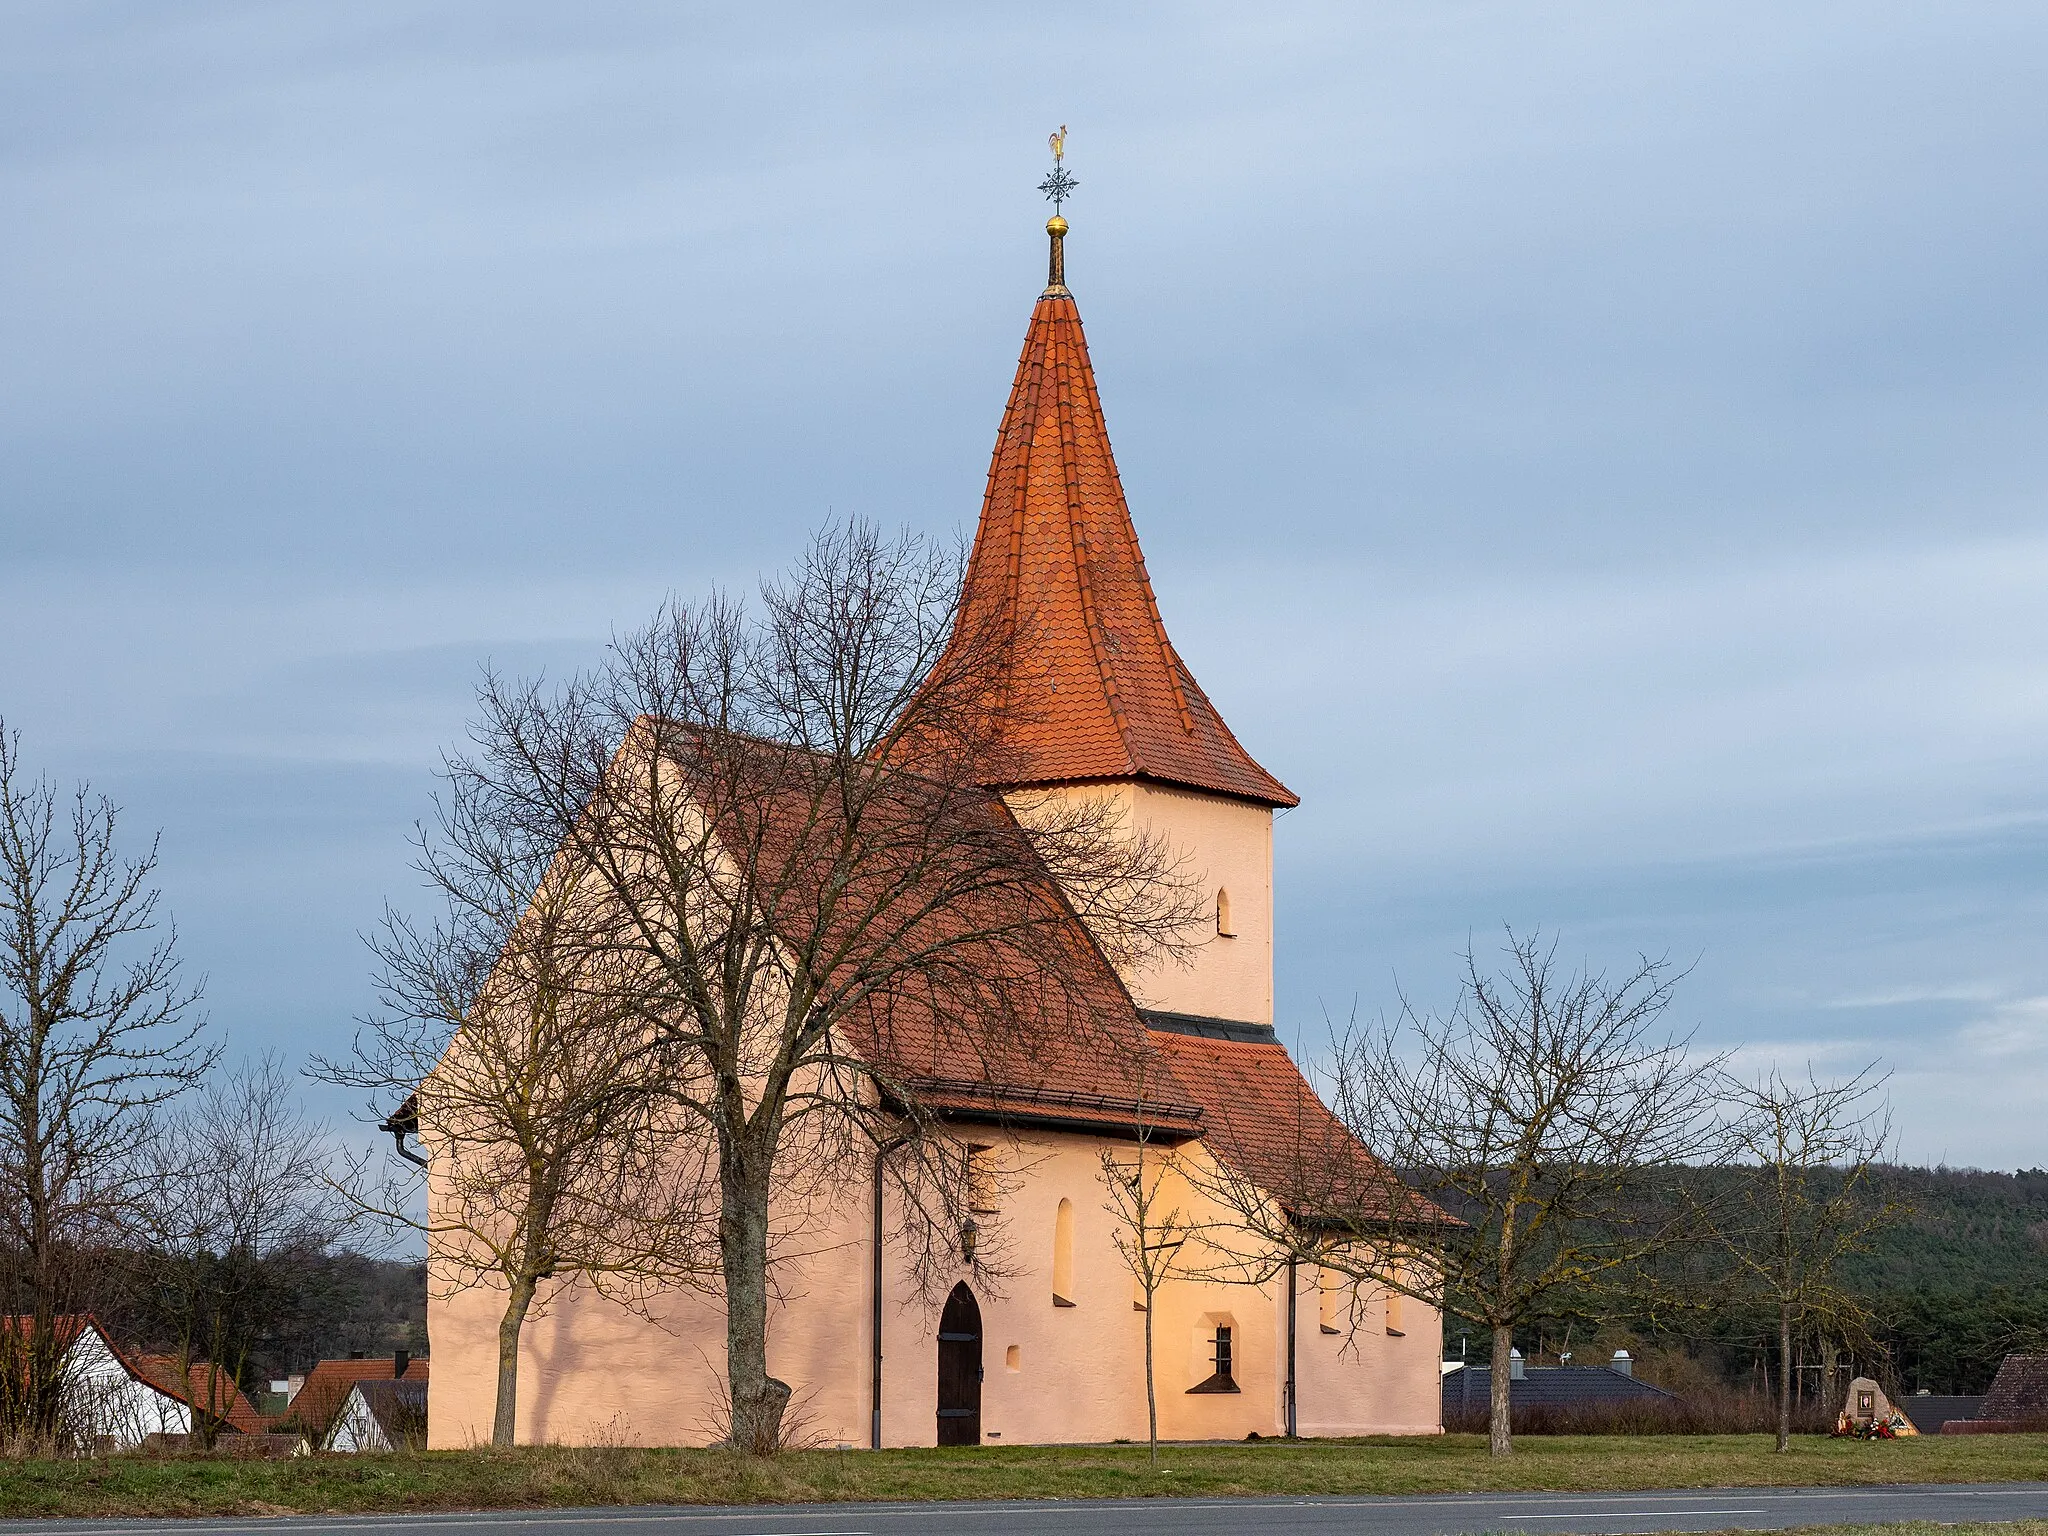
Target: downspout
{"x": 882, "y": 1150}
{"x": 1292, "y": 1417}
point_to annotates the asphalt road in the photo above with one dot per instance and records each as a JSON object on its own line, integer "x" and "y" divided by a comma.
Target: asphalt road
{"x": 1545, "y": 1514}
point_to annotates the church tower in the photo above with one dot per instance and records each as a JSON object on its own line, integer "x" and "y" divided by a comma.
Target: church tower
{"x": 1100, "y": 702}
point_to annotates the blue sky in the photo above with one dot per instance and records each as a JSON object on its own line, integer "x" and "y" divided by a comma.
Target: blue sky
{"x": 1593, "y": 453}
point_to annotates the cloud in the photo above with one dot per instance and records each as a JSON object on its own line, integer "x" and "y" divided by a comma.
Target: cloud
{"x": 1594, "y": 455}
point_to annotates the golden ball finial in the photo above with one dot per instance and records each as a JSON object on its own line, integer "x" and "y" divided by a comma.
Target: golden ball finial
{"x": 1055, "y": 225}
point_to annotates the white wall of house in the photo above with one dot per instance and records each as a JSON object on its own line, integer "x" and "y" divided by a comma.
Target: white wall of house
{"x": 108, "y": 1406}
{"x": 356, "y": 1428}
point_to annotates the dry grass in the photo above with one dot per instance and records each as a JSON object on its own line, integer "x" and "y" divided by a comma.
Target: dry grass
{"x": 1720, "y": 1412}
{"x": 553, "y": 1476}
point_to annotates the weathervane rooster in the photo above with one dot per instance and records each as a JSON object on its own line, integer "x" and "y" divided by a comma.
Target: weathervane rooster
{"x": 1059, "y": 186}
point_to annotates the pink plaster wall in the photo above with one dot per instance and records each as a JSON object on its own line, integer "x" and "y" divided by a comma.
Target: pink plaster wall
{"x": 592, "y": 1370}
{"x": 1229, "y": 846}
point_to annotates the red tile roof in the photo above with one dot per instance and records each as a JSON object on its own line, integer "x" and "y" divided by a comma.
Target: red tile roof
{"x": 1013, "y": 1012}
{"x": 1010, "y": 1008}
{"x": 1093, "y": 687}
{"x": 328, "y": 1384}
{"x": 2020, "y": 1390}
{"x": 1261, "y": 1119}
{"x": 204, "y": 1386}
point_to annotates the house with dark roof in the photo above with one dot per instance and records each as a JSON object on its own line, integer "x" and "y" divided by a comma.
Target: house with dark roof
{"x": 1095, "y": 702}
{"x": 1467, "y": 1389}
{"x": 2018, "y": 1400}
{"x": 381, "y": 1415}
{"x": 1930, "y": 1411}
{"x": 325, "y": 1391}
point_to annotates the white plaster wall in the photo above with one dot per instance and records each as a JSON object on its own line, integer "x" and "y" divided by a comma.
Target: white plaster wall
{"x": 112, "y": 1403}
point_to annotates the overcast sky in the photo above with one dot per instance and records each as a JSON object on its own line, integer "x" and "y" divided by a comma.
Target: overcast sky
{"x": 1594, "y": 453}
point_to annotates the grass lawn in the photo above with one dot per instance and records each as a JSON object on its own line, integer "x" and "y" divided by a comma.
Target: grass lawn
{"x": 566, "y": 1476}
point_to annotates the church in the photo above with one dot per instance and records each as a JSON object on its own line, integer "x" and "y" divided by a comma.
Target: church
{"x": 1055, "y": 1354}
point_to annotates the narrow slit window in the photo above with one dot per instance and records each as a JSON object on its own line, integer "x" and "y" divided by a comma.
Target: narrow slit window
{"x": 1063, "y": 1255}
{"x": 982, "y": 1180}
{"x": 1224, "y": 925}
{"x": 1394, "y": 1328}
{"x": 1328, "y": 1301}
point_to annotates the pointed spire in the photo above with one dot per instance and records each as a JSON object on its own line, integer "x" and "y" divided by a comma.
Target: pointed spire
{"x": 1094, "y": 688}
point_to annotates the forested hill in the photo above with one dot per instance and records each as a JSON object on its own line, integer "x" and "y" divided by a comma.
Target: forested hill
{"x": 1968, "y": 1229}
{"x": 1964, "y": 1279}
{"x": 1950, "y": 1290}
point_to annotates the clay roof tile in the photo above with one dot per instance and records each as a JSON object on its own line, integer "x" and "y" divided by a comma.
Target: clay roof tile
{"x": 1095, "y": 687}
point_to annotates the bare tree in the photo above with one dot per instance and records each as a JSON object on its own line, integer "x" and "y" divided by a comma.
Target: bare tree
{"x": 1150, "y": 1233}
{"x": 1540, "y": 1129}
{"x": 1812, "y": 1153}
{"x": 241, "y": 1204}
{"x": 830, "y": 925}
{"x": 508, "y": 1044}
{"x": 97, "y": 1031}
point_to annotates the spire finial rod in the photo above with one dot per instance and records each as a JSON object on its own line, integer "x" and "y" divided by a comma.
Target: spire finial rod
{"x": 1059, "y": 186}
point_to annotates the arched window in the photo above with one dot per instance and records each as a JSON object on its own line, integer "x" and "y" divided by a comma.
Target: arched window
{"x": 1063, "y": 1255}
{"x": 1224, "y": 925}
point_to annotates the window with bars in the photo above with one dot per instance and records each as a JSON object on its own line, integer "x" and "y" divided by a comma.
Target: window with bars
{"x": 1222, "y": 1375}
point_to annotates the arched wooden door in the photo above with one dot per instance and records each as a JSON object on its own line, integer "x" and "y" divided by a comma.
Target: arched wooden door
{"x": 960, "y": 1369}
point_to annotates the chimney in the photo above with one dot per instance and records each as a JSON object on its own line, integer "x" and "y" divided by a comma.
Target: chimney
{"x": 1514, "y": 1365}
{"x": 400, "y": 1359}
{"x": 1621, "y": 1364}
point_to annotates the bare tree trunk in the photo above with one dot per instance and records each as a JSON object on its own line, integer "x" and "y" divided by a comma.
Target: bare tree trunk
{"x": 1151, "y": 1392}
{"x": 505, "y": 1423}
{"x": 1784, "y": 1377}
{"x": 757, "y": 1398}
{"x": 1499, "y": 1425}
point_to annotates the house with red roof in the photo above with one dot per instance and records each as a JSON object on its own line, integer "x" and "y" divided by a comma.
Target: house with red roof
{"x": 1095, "y": 702}
{"x": 324, "y": 1393}
{"x": 115, "y": 1399}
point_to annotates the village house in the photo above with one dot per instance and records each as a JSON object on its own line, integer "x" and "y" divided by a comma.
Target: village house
{"x": 322, "y": 1395}
{"x": 117, "y": 1400}
{"x": 381, "y": 1414}
{"x": 1055, "y": 1352}
{"x": 1558, "y": 1389}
